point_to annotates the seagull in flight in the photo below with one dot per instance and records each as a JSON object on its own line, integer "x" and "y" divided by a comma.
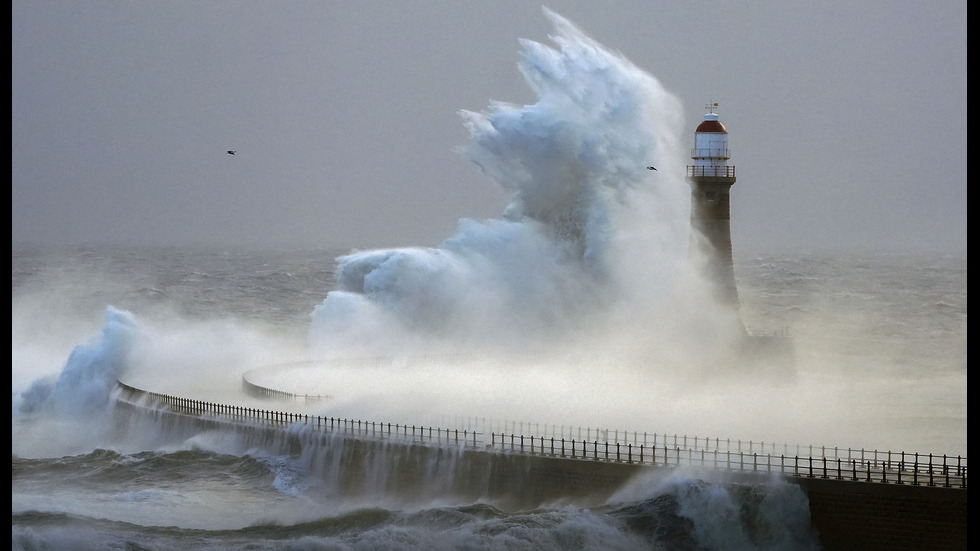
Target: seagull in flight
{"x": 231, "y": 152}
{"x": 648, "y": 168}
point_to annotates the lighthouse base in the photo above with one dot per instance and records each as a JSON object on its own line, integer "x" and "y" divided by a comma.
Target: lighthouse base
{"x": 775, "y": 353}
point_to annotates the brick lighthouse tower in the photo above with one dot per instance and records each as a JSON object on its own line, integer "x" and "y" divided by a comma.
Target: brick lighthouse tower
{"x": 711, "y": 179}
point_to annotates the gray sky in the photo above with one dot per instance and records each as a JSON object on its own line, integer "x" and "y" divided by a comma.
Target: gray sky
{"x": 847, "y": 119}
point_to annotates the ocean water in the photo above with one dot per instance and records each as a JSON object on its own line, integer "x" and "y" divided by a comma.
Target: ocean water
{"x": 581, "y": 306}
{"x": 890, "y": 360}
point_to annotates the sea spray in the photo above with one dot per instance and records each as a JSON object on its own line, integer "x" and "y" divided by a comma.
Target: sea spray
{"x": 591, "y": 249}
{"x": 84, "y": 385}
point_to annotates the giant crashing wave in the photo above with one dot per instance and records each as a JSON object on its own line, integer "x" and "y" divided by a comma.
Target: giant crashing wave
{"x": 592, "y": 247}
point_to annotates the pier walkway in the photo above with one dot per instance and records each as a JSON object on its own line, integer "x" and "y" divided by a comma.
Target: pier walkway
{"x": 608, "y": 446}
{"x": 858, "y": 499}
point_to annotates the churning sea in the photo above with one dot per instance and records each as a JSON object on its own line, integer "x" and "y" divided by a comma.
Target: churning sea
{"x": 880, "y": 344}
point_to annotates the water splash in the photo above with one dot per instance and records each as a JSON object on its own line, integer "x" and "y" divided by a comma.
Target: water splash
{"x": 592, "y": 246}
{"x": 83, "y": 386}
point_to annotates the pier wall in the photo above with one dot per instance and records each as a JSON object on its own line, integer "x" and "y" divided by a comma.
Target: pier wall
{"x": 849, "y": 515}
{"x": 887, "y": 517}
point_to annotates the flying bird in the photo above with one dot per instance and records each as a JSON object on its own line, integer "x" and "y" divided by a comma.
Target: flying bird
{"x": 231, "y": 152}
{"x": 648, "y": 168}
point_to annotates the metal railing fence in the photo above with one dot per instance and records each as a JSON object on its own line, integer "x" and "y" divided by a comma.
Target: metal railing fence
{"x": 651, "y": 449}
{"x": 710, "y": 171}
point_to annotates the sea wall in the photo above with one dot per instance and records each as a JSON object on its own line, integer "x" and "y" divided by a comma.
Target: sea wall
{"x": 849, "y": 515}
{"x": 357, "y": 466}
{"x": 856, "y": 516}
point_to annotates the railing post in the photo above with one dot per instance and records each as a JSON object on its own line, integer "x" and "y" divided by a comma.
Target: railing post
{"x": 915, "y": 470}
{"x": 945, "y": 472}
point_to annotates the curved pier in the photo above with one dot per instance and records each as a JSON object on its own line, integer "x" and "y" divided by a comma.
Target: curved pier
{"x": 859, "y": 499}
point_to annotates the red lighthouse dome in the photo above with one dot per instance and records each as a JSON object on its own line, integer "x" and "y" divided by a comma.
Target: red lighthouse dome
{"x": 711, "y": 124}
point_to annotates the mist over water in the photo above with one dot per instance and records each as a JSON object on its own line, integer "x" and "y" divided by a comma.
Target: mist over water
{"x": 580, "y": 305}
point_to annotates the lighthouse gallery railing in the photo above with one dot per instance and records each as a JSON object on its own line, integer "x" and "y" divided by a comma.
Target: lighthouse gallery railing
{"x": 724, "y": 171}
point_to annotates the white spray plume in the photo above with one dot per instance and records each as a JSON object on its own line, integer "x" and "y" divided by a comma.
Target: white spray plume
{"x": 84, "y": 385}
{"x": 592, "y": 246}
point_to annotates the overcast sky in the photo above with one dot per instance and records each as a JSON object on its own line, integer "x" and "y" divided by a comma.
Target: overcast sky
{"x": 846, "y": 119}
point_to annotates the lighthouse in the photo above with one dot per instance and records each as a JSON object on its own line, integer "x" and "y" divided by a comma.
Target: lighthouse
{"x": 711, "y": 179}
